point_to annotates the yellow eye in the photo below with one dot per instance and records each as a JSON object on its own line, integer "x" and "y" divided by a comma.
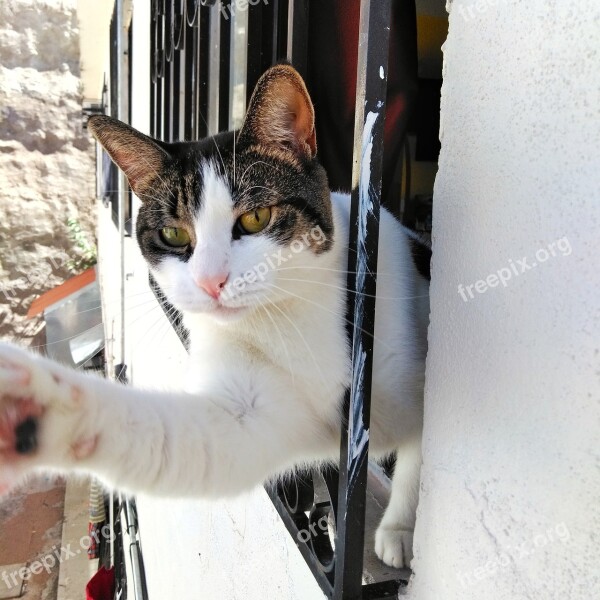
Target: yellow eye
{"x": 255, "y": 220}
{"x": 175, "y": 237}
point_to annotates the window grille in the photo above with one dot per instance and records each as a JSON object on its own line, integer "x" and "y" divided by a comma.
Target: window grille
{"x": 206, "y": 57}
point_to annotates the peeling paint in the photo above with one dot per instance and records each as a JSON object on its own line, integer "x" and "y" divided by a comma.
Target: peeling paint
{"x": 357, "y": 433}
{"x": 365, "y": 196}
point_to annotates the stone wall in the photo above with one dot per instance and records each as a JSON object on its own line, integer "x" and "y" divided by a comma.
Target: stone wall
{"x": 46, "y": 158}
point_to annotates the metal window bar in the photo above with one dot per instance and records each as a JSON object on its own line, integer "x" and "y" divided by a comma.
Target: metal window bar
{"x": 297, "y": 35}
{"x": 191, "y": 39}
{"x": 372, "y": 71}
{"x": 129, "y": 516}
{"x": 127, "y": 548}
{"x": 112, "y": 109}
{"x": 119, "y": 80}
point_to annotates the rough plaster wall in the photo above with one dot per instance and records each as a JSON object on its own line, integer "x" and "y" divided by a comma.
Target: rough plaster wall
{"x": 46, "y": 159}
{"x": 510, "y": 493}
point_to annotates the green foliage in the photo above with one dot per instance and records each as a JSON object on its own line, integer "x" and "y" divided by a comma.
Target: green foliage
{"x": 89, "y": 255}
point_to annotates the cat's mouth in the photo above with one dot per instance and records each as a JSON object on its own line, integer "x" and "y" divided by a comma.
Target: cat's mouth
{"x": 214, "y": 309}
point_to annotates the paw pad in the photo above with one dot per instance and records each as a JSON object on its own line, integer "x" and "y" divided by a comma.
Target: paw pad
{"x": 19, "y": 425}
{"x": 26, "y": 434}
{"x": 84, "y": 447}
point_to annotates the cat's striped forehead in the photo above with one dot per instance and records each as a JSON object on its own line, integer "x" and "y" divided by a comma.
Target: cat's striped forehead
{"x": 208, "y": 186}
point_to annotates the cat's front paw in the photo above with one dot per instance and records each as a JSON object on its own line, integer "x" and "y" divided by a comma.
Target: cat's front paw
{"x": 40, "y": 415}
{"x": 394, "y": 546}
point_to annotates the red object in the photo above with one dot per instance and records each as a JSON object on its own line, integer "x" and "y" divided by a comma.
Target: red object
{"x": 331, "y": 81}
{"x": 94, "y": 532}
{"x": 101, "y": 586}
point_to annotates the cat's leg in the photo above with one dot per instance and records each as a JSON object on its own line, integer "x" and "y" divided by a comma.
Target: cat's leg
{"x": 394, "y": 536}
{"x": 229, "y": 439}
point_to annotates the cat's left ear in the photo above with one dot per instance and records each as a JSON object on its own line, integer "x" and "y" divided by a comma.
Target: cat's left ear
{"x": 140, "y": 157}
{"x": 281, "y": 113}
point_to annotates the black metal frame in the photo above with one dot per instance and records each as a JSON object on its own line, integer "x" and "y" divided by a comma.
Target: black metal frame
{"x": 125, "y": 520}
{"x": 113, "y": 93}
{"x": 362, "y": 277}
{"x": 189, "y": 40}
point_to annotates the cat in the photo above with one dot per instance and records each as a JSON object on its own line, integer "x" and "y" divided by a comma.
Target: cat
{"x": 245, "y": 238}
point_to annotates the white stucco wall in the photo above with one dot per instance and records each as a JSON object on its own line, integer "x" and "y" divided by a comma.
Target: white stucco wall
{"x": 510, "y": 493}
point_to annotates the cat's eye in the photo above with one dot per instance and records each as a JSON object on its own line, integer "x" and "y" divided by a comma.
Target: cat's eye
{"x": 255, "y": 220}
{"x": 175, "y": 237}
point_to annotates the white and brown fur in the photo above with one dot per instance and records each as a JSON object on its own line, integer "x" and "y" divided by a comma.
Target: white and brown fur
{"x": 269, "y": 363}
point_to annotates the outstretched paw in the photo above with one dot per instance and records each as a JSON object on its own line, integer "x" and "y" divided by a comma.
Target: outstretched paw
{"x": 394, "y": 546}
{"x": 19, "y": 411}
{"x": 40, "y": 415}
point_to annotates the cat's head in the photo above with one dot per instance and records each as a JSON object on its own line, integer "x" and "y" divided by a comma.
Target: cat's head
{"x": 236, "y": 220}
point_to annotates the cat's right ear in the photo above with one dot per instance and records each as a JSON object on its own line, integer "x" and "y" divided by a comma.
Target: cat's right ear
{"x": 281, "y": 113}
{"x": 139, "y": 157}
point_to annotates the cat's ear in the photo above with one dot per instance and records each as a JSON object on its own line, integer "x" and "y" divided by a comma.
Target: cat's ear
{"x": 281, "y": 113}
{"x": 137, "y": 155}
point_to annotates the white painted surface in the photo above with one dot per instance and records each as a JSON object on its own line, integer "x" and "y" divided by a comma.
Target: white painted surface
{"x": 94, "y": 24}
{"x": 510, "y": 484}
{"x": 235, "y": 549}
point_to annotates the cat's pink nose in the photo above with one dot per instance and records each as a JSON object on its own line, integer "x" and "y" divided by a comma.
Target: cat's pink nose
{"x": 213, "y": 285}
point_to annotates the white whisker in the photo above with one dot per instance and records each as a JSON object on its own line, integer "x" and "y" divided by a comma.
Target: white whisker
{"x": 345, "y": 289}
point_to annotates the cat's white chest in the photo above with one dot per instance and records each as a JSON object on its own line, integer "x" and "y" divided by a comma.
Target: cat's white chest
{"x": 285, "y": 341}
